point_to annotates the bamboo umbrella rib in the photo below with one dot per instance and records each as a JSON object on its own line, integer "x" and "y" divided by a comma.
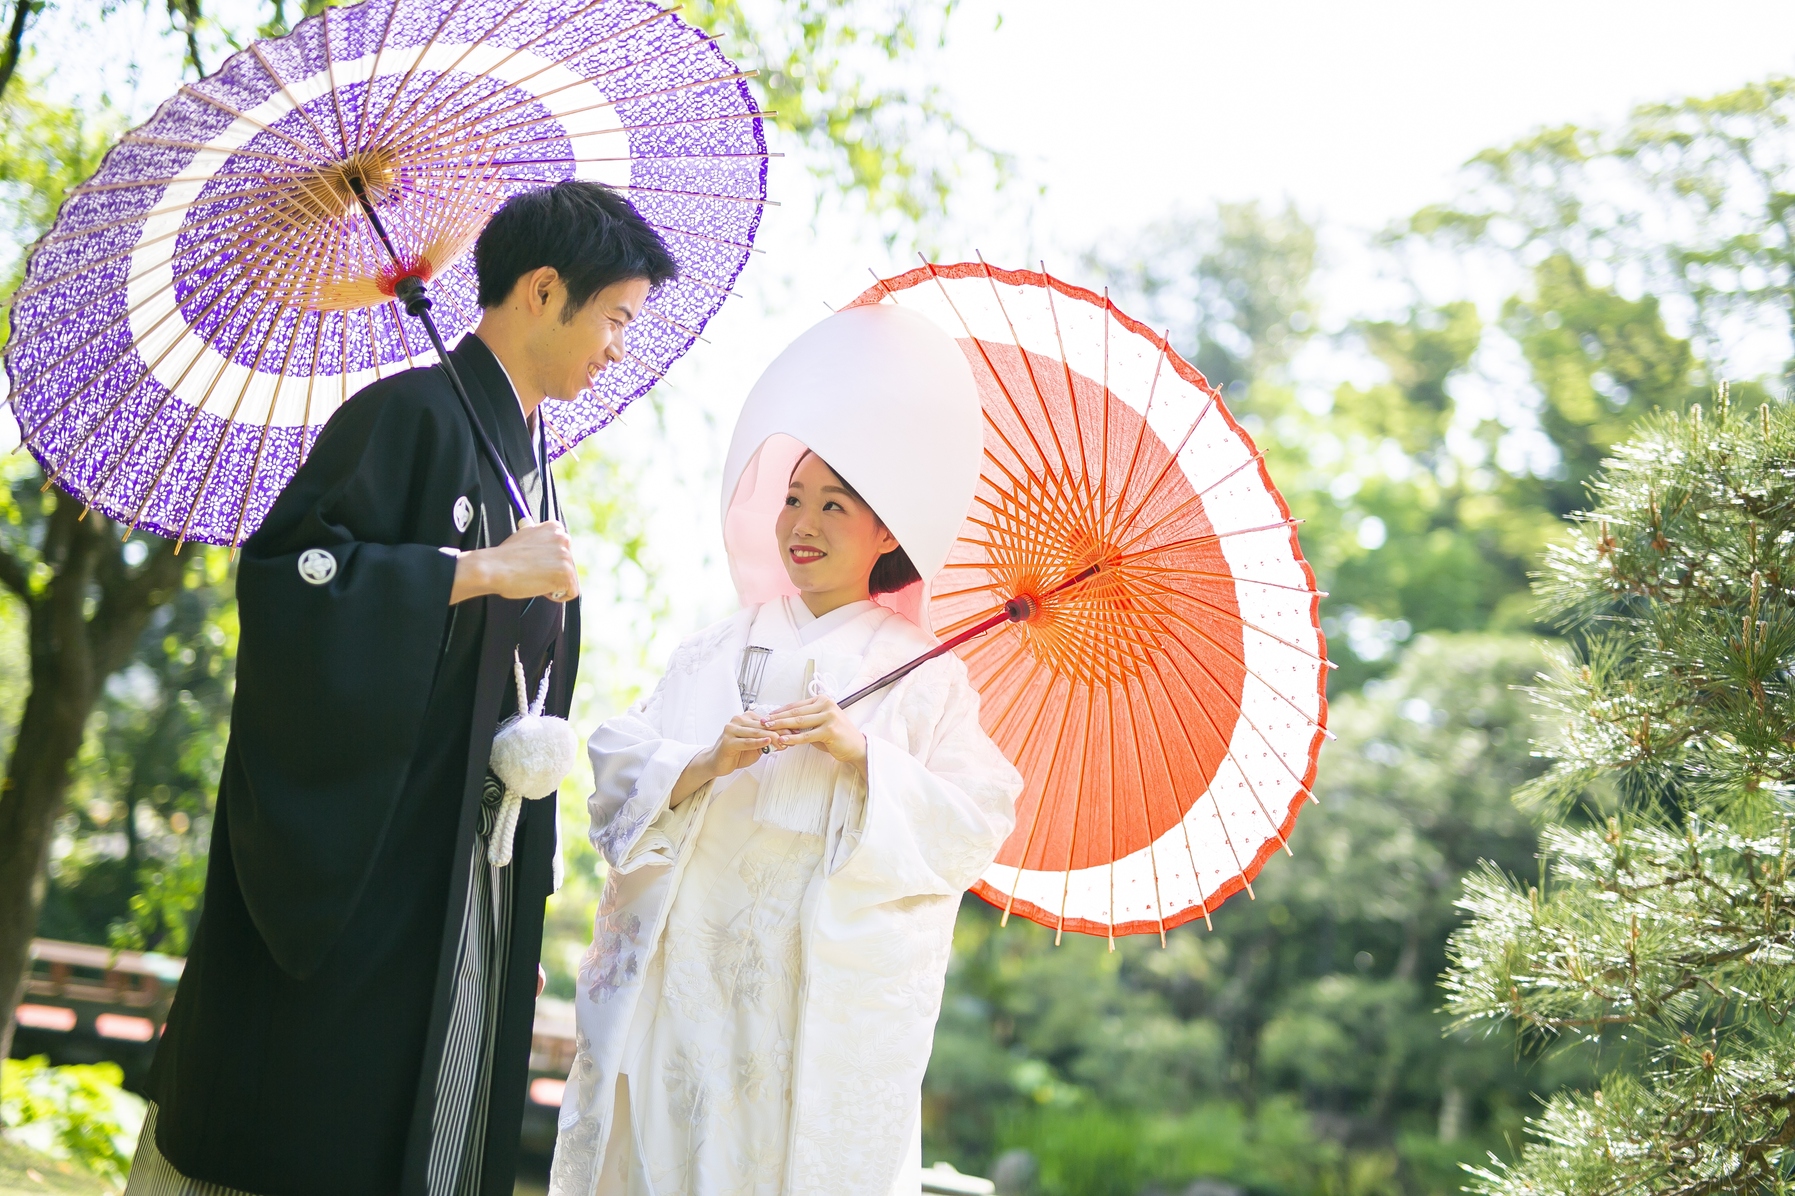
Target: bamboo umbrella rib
{"x": 163, "y": 182}
{"x": 417, "y": 59}
{"x": 1103, "y": 461}
{"x": 100, "y": 332}
{"x": 681, "y": 232}
{"x": 382, "y": 128}
{"x": 336, "y": 92}
{"x": 1195, "y": 541}
{"x": 380, "y": 48}
{"x": 1231, "y": 616}
{"x": 1140, "y": 762}
{"x": 1109, "y": 712}
{"x": 1214, "y": 806}
{"x": 741, "y": 199}
{"x": 657, "y": 159}
{"x": 204, "y": 147}
{"x": 1028, "y": 368}
{"x": 1084, "y": 460}
{"x": 672, "y": 323}
{"x": 1238, "y": 579}
{"x": 268, "y": 67}
{"x": 224, "y": 430}
{"x": 1250, "y": 671}
{"x": 1195, "y": 496}
{"x": 1035, "y": 666}
{"x": 1140, "y": 433}
{"x": 255, "y": 465}
{"x": 1196, "y": 871}
{"x": 123, "y": 394}
{"x": 105, "y": 481}
{"x": 492, "y": 73}
{"x": 373, "y": 357}
{"x": 391, "y": 308}
{"x": 1265, "y": 739}
{"x": 1171, "y": 462}
{"x": 173, "y": 209}
{"x": 1271, "y": 749}
{"x": 1028, "y": 844}
{"x": 658, "y": 375}
{"x": 238, "y": 114}
{"x": 1002, "y": 386}
{"x": 570, "y": 135}
{"x": 1226, "y": 741}
{"x": 986, "y": 588}
{"x": 447, "y": 130}
{"x": 1034, "y": 489}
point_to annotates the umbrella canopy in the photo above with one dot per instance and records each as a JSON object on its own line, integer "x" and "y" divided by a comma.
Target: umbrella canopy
{"x": 214, "y": 293}
{"x": 1156, "y": 668}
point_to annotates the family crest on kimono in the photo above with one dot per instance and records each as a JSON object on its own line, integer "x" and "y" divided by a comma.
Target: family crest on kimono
{"x": 356, "y": 1011}
{"x": 757, "y": 1008}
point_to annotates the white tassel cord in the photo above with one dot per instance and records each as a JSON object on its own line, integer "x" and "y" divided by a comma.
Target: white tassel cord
{"x": 531, "y": 753}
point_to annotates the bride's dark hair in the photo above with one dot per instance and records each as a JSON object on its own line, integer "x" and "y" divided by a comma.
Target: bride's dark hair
{"x": 893, "y": 570}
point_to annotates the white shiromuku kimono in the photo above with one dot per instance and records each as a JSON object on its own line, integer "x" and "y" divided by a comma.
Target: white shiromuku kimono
{"x": 759, "y": 1002}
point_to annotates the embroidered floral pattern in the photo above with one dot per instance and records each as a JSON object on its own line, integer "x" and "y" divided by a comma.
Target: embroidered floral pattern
{"x": 614, "y": 959}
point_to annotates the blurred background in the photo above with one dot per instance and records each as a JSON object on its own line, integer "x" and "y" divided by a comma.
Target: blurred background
{"x": 1439, "y": 257}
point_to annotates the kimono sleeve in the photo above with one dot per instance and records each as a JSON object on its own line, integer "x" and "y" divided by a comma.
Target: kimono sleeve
{"x": 343, "y": 601}
{"x": 634, "y": 768}
{"x": 936, "y": 810}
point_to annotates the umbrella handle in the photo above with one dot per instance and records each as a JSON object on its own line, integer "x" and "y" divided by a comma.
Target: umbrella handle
{"x": 1017, "y": 610}
{"x": 409, "y": 290}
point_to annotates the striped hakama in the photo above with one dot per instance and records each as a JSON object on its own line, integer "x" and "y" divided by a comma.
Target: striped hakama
{"x": 463, "y": 1084}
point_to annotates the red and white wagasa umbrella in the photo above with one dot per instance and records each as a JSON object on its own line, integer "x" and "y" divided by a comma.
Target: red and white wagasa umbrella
{"x": 1131, "y": 601}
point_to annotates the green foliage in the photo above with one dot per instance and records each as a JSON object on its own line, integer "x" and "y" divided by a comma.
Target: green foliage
{"x": 1669, "y": 926}
{"x": 1321, "y": 991}
{"x": 831, "y": 74}
{"x": 45, "y": 148}
{"x": 1231, "y": 288}
{"x": 1690, "y": 199}
{"x": 78, "y": 1112}
{"x": 1095, "y": 1151}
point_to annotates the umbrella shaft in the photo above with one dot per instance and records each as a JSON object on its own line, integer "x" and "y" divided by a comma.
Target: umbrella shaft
{"x": 409, "y": 290}
{"x": 1016, "y": 610}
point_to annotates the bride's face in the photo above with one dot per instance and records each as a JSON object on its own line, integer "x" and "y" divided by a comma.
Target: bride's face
{"x": 829, "y": 539}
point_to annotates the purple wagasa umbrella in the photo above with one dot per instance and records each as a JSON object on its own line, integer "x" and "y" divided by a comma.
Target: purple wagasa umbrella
{"x": 214, "y": 292}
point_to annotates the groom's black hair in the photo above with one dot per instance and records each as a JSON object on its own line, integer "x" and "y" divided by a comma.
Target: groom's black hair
{"x": 590, "y": 234}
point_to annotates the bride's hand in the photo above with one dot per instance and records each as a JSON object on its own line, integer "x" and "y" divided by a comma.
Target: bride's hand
{"x": 737, "y": 746}
{"x": 821, "y": 722}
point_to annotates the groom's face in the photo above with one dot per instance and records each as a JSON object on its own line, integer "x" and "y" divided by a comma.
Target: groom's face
{"x": 572, "y": 347}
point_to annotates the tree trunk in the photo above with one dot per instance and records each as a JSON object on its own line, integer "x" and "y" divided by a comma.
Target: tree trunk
{"x": 83, "y": 626}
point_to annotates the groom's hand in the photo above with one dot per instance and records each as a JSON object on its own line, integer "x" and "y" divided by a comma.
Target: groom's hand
{"x": 536, "y": 562}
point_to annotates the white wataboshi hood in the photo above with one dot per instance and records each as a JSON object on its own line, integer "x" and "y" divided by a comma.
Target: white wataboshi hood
{"x": 886, "y": 397}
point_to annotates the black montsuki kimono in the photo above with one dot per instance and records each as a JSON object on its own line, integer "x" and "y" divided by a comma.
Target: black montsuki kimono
{"x": 302, "y": 1054}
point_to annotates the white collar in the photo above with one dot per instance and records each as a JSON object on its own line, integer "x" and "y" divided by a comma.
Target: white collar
{"x": 811, "y": 628}
{"x": 529, "y": 416}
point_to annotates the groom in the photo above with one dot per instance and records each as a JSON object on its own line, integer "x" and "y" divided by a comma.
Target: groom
{"x": 355, "y": 1015}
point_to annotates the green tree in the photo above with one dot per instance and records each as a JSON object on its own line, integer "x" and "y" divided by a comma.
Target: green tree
{"x": 1666, "y": 918}
{"x": 1231, "y": 288}
{"x": 1692, "y": 199}
{"x": 1313, "y": 1006}
{"x": 86, "y": 594}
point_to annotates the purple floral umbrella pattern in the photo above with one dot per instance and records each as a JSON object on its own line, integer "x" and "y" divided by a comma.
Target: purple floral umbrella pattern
{"x": 207, "y": 300}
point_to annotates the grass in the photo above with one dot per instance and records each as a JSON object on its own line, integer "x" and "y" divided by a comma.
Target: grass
{"x": 25, "y": 1172}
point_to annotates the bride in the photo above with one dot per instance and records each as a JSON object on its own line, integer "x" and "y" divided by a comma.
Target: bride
{"x": 757, "y": 1007}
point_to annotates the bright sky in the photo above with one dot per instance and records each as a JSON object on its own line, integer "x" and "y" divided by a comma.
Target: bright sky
{"x": 1126, "y": 110}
